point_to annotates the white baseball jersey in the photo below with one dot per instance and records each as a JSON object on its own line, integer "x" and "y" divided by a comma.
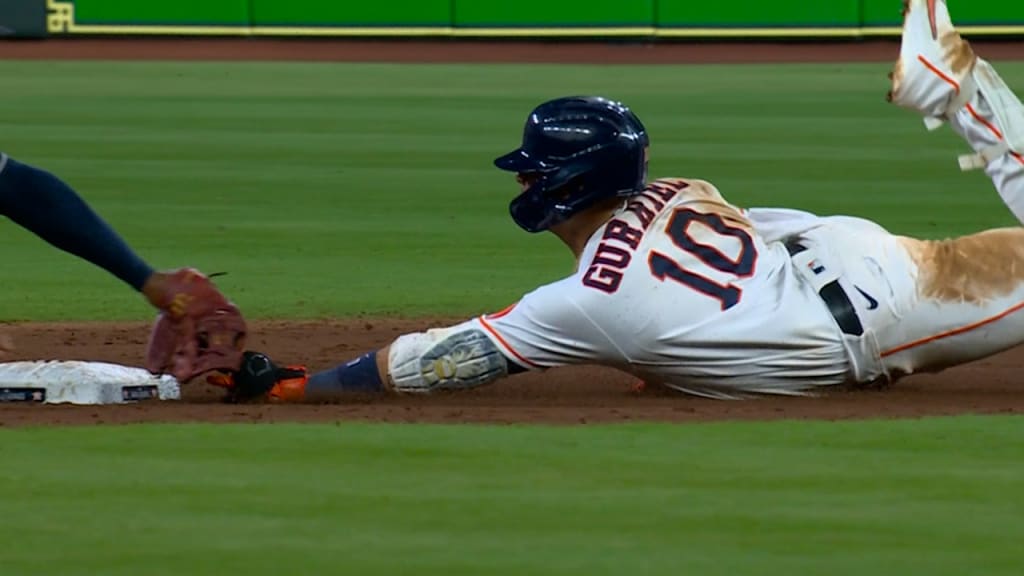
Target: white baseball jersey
{"x": 682, "y": 288}
{"x": 679, "y": 288}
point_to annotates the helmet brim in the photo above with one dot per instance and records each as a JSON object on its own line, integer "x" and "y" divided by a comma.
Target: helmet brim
{"x": 520, "y": 161}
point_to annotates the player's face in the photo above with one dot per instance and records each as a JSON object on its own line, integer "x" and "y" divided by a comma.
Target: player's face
{"x": 525, "y": 180}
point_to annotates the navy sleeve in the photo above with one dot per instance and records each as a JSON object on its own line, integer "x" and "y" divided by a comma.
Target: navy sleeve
{"x": 43, "y": 204}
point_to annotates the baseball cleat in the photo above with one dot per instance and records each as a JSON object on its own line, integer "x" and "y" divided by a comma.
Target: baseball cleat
{"x": 933, "y": 72}
{"x": 938, "y": 74}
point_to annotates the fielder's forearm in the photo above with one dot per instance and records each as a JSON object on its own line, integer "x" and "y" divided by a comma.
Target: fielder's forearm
{"x": 43, "y": 204}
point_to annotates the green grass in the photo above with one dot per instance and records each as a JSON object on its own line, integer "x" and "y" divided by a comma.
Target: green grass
{"x": 344, "y": 189}
{"x": 930, "y": 497}
{"x": 340, "y": 189}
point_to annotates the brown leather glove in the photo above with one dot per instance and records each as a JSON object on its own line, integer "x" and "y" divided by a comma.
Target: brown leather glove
{"x": 198, "y": 329}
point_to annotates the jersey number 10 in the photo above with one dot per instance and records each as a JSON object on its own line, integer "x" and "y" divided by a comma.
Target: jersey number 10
{"x": 663, "y": 266}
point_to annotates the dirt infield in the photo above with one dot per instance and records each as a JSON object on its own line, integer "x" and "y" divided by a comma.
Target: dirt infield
{"x": 565, "y": 396}
{"x": 561, "y": 396}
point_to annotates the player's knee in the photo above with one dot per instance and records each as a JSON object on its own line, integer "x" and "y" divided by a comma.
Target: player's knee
{"x": 444, "y": 360}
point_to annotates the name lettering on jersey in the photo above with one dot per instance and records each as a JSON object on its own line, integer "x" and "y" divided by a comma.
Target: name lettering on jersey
{"x": 620, "y": 239}
{"x": 618, "y": 230}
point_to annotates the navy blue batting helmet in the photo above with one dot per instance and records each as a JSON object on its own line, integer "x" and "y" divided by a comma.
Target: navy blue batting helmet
{"x": 579, "y": 150}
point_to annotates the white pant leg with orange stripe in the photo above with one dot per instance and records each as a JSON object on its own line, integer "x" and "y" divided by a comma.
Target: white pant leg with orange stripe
{"x": 952, "y": 301}
{"x": 965, "y": 298}
{"x": 977, "y": 123}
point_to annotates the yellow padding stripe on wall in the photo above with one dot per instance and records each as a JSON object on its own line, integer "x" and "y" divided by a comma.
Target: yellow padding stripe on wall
{"x": 61, "y": 20}
{"x": 441, "y": 32}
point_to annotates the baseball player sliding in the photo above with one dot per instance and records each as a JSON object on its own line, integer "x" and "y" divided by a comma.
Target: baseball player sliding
{"x": 681, "y": 288}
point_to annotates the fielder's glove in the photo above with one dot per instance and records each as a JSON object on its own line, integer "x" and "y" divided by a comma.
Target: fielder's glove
{"x": 259, "y": 378}
{"x": 198, "y": 329}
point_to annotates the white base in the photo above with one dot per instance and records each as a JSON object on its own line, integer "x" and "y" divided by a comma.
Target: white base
{"x": 77, "y": 382}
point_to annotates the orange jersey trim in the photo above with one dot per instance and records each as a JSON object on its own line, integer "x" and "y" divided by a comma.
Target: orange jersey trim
{"x": 522, "y": 359}
{"x": 501, "y": 313}
{"x": 953, "y": 332}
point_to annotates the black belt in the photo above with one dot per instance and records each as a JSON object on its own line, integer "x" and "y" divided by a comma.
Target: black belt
{"x": 835, "y": 298}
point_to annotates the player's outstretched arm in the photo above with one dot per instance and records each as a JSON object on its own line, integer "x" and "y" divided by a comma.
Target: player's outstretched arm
{"x": 368, "y": 373}
{"x": 198, "y": 329}
{"x": 46, "y": 206}
{"x": 456, "y": 358}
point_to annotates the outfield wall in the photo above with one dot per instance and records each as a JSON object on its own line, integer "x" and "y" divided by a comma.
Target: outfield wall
{"x": 514, "y": 18}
